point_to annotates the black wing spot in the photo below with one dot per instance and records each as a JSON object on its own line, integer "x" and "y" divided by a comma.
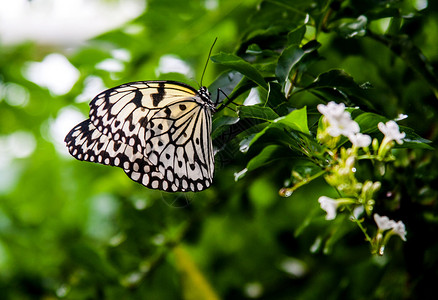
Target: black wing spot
{"x": 142, "y": 120}
{"x": 159, "y": 96}
{"x": 167, "y": 156}
{"x": 180, "y": 164}
{"x": 182, "y": 107}
{"x": 168, "y": 112}
{"x": 197, "y": 141}
{"x": 138, "y": 96}
{"x": 160, "y": 126}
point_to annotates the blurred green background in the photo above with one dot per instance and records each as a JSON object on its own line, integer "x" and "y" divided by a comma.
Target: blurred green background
{"x": 77, "y": 230}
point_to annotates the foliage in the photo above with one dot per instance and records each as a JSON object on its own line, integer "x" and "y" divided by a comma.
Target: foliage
{"x": 83, "y": 231}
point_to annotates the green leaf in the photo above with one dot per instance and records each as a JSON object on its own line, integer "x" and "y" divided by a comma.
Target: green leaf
{"x": 296, "y": 36}
{"x": 255, "y": 49}
{"x": 226, "y": 81}
{"x": 339, "y": 86}
{"x": 287, "y": 60}
{"x": 413, "y": 140}
{"x": 266, "y": 156}
{"x": 368, "y": 122}
{"x": 220, "y": 124}
{"x": 294, "y": 121}
{"x": 353, "y": 27}
{"x": 276, "y": 99}
{"x": 236, "y": 63}
{"x": 256, "y": 112}
{"x": 290, "y": 57}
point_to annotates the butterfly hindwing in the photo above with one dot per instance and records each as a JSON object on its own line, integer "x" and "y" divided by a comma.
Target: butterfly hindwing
{"x": 157, "y": 131}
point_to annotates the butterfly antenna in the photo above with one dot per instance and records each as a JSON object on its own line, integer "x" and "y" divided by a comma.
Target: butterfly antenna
{"x": 208, "y": 58}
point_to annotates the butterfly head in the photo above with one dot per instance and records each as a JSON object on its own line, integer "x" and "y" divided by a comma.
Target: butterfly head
{"x": 206, "y": 97}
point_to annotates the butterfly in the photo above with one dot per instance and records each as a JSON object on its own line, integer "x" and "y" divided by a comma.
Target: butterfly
{"x": 158, "y": 132}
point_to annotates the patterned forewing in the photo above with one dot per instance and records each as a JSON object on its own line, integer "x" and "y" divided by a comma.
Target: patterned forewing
{"x": 158, "y": 132}
{"x": 121, "y": 112}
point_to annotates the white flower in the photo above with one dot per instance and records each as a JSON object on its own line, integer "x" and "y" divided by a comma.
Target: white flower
{"x": 400, "y": 229}
{"x": 340, "y": 120}
{"x": 332, "y": 110}
{"x": 329, "y": 205}
{"x": 383, "y": 223}
{"x": 344, "y": 126}
{"x": 360, "y": 140}
{"x": 392, "y": 131}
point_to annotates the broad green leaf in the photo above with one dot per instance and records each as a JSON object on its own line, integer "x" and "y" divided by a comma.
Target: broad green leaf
{"x": 368, "y": 122}
{"x": 257, "y": 112}
{"x": 266, "y": 156}
{"x": 294, "y": 121}
{"x": 236, "y": 63}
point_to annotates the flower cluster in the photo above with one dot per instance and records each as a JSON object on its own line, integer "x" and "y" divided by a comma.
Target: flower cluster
{"x": 337, "y": 122}
{"x": 356, "y": 196}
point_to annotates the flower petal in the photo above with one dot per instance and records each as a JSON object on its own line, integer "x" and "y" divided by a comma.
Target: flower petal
{"x": 383, "y": 223}
{"x": 329, "y": 205}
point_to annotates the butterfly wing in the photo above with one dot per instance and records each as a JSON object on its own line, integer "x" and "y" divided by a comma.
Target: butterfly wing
{"x": 157, "y": 131}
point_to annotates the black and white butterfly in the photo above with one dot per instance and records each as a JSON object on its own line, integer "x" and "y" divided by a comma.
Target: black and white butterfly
{"x": 157, "y": 131}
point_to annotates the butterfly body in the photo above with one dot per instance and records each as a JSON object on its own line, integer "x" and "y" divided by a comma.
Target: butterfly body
{"x": 157, "y": 131}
